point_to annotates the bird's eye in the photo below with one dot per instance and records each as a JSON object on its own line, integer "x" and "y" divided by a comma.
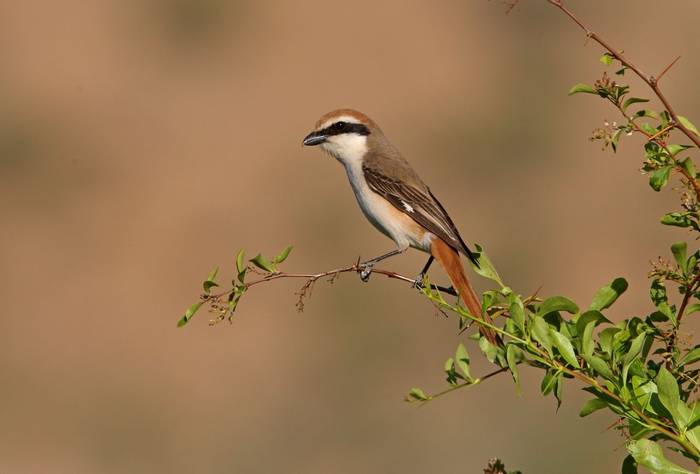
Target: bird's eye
{"x": 339, "y": 126}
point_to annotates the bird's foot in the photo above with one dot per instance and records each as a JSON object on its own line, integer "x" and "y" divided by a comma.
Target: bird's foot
{"x": 365, "y": 270}
{"x": 418, "y": 283}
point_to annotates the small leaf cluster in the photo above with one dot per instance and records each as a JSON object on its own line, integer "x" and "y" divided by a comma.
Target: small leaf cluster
{"x": 661, "y": 155}
{"x": 496, "y": 466}
{"x": 223, "y": 305}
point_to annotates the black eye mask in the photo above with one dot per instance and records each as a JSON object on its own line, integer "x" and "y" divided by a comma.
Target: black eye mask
{"x": 338, "y": 128}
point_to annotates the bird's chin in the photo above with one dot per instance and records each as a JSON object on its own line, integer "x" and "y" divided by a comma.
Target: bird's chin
{"x": 330, "y": 150}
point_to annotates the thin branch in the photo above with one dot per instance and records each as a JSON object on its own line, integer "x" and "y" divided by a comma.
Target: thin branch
{"x": 658, "y": 79}
{"x": 651, "y": 81}
{"x": 312, "y": 278}
{"x": 469, "y": 383}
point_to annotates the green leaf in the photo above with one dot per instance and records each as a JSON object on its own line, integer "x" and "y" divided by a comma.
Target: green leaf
{"x": 669, "y": 395}
{"x": 592, "y": 405}
{"x": 262, "y": 263}
{"x": 207, "y": 285}
{"x": 657, "y": 292}
{"x": 608, "y": 294}
{"x": 665, "y": 118}
{"x": 690, "y": 417}
{"x": 590, "y": 316}
{"x": 693, "y": 308}
{"x": 449, "y": 365}
{"x": 557, "y": 303}
{"x": 558, "y": 389}
{"x": 417, "y": 394}
{"x": 486, "y": 268}
{"x": 679, "y": 251}
{"x": 580, "y": 87}
{"x": 689, "y": 166}
{"x": 489, "y": 350}
{"x": 692, "y": 356}
{"x": 677, "y": 219}
{"x": 209, "y": 282}
{"x": 695, "y": 415}
{"x": 606, "y": 59}
{"x": 649, "y": 454}
{"x": 565, "y": 348}
{"x": 189, "y": 313}
{"x": 600, "y": 367}
{"x": 283, "y": 255}
{"x": 462, "y": 360}
{"x": 635, "y": 348}
{"x": 548, "y": 382}
{"x": 646, "y": 113}
{"x": 605, "y": 339}
{"x": 212, "y": 274}
{"x": 615, "y": 139}
{"x": 240, "y": 266}
{"x": 633, "y": 100}
{"x": 233, "y": 299}
{"x": 541, "y": 333}
{"x": 513, "y": 357}
{"x": 688, "y": 124}
{"x": 659, "y": 297}
{"x": 676, "y": 148}
{"x": 648, "y": 129}
{"x": 632, "y": 354}
{"x": 659, "y": 177}
{"x": 587, "y": 344}
{"x": 517, "y": 314}
{"x": 449, "y": 369}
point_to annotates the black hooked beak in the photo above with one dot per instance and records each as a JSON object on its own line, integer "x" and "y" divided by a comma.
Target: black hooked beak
{"x": 314, "y": 138}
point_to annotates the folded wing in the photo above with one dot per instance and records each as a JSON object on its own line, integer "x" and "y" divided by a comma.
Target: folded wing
{"x": 420, "y": 205}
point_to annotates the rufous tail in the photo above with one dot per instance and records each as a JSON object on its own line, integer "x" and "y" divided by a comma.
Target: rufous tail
{"x": 450, "y": 261}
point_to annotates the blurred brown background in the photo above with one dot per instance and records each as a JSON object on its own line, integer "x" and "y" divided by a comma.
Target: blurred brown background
{"x": 143, "y": 142}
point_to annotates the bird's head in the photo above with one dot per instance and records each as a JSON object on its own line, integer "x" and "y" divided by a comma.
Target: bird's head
{"x": 344, "y": 134}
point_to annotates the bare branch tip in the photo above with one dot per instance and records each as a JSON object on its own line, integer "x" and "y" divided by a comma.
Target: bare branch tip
{"x": 657, "y": 79}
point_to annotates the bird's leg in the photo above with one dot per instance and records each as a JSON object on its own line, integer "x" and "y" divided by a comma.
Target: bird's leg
{"x": 366, "y": 267}
{"x": 418, "y": 283}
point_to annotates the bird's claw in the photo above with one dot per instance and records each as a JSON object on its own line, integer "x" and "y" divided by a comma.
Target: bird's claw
{"x": 419, "y": 282}
{"x": 366, "y": 271}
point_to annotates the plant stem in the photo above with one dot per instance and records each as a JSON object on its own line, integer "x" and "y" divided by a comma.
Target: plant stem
{"x": 651, "y": 81}
{"x": 466, "y": 384}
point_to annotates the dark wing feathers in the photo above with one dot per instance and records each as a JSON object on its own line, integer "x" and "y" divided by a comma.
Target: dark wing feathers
{"x": 423, "y": 208}
{"x": 465, "y": 249}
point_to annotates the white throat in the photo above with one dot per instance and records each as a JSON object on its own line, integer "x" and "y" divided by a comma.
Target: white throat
{"x": 348, "y": 148}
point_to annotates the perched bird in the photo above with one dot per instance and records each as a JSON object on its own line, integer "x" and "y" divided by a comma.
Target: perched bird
{"x": 395, "y": 200}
